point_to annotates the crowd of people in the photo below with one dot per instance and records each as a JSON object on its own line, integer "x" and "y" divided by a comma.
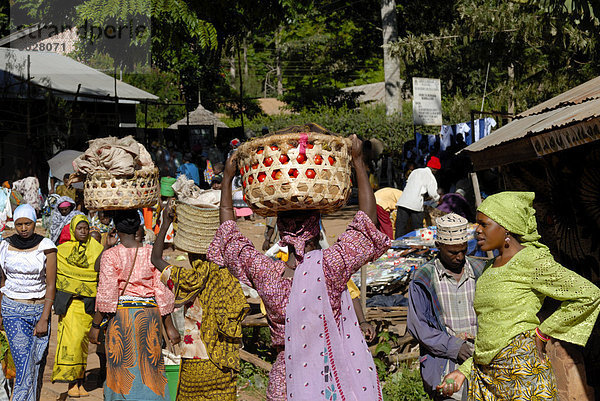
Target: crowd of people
{"x": 106, "y": 277}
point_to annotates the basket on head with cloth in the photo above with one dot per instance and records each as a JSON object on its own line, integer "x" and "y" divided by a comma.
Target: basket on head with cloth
{"x": 301, "y": 167}
{"x": 119, "y": 174}
{"x": 196, "y": 216}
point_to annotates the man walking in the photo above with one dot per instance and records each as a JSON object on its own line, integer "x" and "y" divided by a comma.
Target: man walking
{"x": 440, "y": 313}
{"x": 421, "y": 181}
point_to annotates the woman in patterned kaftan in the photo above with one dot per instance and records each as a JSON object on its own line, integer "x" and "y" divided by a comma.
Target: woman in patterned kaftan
{"x": 322, "y": 353}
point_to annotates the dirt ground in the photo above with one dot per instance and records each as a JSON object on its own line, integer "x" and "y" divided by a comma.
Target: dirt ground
{"x": 334, "y": 225}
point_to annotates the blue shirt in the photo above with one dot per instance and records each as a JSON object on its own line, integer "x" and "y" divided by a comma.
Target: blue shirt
{"x": 190, "y": 171}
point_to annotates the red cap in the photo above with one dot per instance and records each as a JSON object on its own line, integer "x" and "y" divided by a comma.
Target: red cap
{"x": 434, "y": 162}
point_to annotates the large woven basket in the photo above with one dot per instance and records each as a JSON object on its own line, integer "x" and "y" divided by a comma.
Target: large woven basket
{"x": 194, "y": 227}
{"x": 277, "y": 176}
{"x": 103, "y": 191}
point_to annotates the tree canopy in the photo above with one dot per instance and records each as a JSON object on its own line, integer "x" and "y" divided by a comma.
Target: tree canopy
{"x": 508, "y": 54}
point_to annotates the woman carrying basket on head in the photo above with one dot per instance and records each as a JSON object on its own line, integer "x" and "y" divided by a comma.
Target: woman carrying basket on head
{"x": 321, "y": 350}
{"x": 509, "y": 362}
{"x": 75, "y": 302}
{"x": 131, "y": 294}
{"x": 214, "y": 306}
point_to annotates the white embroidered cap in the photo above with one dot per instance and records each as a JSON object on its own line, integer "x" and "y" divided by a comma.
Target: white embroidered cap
{"x": 452, "y": 229}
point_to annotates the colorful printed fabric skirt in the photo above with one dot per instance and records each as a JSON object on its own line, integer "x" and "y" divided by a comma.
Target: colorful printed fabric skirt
{"x": 28, "y": 351}
{"x": 72, "y": 343}
{"x": 200, "y": 379}
{"x": 515, "y": 374}
{"x": 135, "y": 367}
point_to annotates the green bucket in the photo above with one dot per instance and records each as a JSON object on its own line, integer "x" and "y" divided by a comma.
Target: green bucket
{"x": 172, "y": 373}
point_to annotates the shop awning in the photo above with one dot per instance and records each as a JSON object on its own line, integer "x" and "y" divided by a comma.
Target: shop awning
{"x": 567, "y": 122}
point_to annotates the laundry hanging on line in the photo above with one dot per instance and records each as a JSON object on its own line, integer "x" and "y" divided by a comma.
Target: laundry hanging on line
{"x": 450, "y": 134}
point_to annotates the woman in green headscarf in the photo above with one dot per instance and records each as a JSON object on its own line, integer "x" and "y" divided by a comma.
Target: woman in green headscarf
{"x": 509, "y": 362}
{"x": 76, "y": 284}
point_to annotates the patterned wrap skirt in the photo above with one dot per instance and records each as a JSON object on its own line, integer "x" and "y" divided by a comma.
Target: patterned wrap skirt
{"x": 515, "y": 374}
{"x": 201, "y": 379}
{"x": 28, "y": 351}
{"x": 135, "y": 367}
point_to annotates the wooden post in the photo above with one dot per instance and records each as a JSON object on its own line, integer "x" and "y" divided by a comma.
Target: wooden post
{"x": 475, "y": 181}
{"x": 363, "y": 289}
{"x": 476, "y": 189}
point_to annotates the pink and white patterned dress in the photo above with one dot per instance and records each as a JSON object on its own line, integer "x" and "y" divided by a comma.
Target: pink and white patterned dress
{"x": 144, "y": 282}
{"x": 361, "y": 243}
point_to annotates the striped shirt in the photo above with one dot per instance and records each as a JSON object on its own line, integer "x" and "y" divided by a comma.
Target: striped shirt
{"x": 456, "y": 299}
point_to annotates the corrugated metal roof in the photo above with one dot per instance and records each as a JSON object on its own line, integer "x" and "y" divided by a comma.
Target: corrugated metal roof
{"x": 538, "y": 123}
{"x": 586, "y": 91}
{"x": 20, "y": 34}
{"x": 371, "y": 92}
{"x": 63, "y": 74}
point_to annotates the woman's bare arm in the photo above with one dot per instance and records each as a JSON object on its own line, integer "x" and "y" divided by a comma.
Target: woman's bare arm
{"x": 226, "y": 208}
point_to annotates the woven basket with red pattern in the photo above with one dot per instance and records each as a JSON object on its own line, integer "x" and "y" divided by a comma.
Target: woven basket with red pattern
{"x": 302, "y": 170}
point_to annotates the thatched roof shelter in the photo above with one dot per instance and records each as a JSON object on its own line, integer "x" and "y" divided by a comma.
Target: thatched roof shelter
{"x": 200, "y": 116}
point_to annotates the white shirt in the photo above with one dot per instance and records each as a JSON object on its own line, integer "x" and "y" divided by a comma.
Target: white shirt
{"x": 25, "y": 271}
{"x": 420, "y": 182}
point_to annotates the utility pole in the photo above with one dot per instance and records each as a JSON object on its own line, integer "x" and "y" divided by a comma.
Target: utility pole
{"x": 241, "y": 87}
{"x": 278, "y": 72}
{"x": 391, "y": 65}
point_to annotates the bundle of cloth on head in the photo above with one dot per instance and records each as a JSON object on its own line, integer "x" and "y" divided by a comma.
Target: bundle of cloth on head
{"x": 30, "y": 189}
{"x": 25, "y": 211}
{"x": 5, "y": 208}
{"x": 452, "y": 229}
{"x": 166, "y": 186}
{"x": 188, "y": 192}
{"x": 514, "y": 211}
{"x": 118, "y": 157}
{"x": 296, "y": 230}
{"x": 58, "y": 222}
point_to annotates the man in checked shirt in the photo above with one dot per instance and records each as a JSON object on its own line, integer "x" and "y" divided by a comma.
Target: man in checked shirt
{"x": 440, "y": 313}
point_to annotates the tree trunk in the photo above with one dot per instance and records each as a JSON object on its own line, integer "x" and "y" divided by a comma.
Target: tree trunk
{"x": 391, "y": 65}
{"x": 511, "y": 84}
{"x": 245, "y": 53}
{"x": 232, "y": 69}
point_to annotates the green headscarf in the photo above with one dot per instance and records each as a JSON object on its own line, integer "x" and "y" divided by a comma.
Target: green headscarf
{"x": 514, "y": 211}
{"x": 166, "y": 186}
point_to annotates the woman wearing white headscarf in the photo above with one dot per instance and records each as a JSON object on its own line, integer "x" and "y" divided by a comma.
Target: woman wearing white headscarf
{"x": 28, "y": 286}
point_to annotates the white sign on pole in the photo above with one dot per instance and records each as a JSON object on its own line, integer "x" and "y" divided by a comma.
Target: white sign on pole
{"x": 427, "y": 101}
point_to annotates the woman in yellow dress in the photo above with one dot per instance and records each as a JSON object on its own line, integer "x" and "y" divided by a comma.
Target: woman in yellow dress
{"x": 75, "y": 302}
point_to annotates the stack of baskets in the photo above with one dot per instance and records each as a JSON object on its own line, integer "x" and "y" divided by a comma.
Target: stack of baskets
{"x": 302, "y": 170}
{"x": 195, "y": 227}
{"x": 103, "y": 191}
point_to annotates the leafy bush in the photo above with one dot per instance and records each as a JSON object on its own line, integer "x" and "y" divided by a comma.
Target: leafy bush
{"x": 404, "y": 385}
{"x": 400, "y": 382}
{"x": 367, "y": 122}
{"x": 252, "y": 380}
